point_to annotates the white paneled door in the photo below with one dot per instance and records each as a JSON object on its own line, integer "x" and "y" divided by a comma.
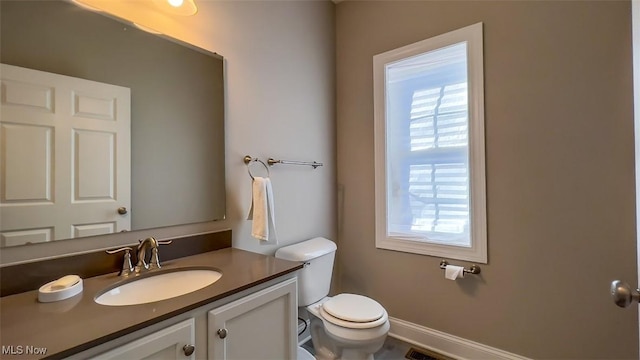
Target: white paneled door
{"x": 65, "y": 157}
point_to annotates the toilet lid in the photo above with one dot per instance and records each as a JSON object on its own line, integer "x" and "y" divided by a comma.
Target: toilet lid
{"x": 354, "y": 308}
{"x": 350, "y": 324}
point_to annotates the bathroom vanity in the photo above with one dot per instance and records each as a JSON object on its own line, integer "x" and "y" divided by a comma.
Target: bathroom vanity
{"x": 250, "y": 312}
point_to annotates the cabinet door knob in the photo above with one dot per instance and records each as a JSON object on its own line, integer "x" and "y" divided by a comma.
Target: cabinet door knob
{"x": 188, "y": 349}
{"x": 222, "y": 333}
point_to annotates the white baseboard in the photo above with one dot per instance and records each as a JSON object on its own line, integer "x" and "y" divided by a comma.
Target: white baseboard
{"x": 446, "y": 344}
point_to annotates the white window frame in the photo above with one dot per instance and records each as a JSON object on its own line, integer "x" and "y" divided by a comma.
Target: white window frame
{"x": 477, "y": 252}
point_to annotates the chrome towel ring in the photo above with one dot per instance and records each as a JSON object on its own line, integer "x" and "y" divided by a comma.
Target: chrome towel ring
{"x": 248, "y": 160}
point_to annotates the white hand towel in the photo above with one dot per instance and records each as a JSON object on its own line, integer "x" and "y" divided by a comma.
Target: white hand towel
{"x": 262, "y": 212}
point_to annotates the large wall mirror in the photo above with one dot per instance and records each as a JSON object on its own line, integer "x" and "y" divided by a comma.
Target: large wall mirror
{"x": 69, "y": 75}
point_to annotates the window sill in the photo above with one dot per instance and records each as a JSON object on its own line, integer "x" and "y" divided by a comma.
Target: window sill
{"x": 476, "y": 254}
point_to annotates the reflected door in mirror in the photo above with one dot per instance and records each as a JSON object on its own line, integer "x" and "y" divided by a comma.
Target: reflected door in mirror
{"x": 65, "y": 156}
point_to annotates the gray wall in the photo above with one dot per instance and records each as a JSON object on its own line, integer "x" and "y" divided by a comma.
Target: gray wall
{"x": 560, "y": 176}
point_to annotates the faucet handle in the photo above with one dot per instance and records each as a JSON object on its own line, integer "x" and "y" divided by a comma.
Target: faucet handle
{"x": 158, "y": 242}
{"x": 154, "y": 263}
{"x": 127, "y": 268}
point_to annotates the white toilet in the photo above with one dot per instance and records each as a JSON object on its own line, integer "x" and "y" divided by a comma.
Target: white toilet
{"x": 346, "y": 326}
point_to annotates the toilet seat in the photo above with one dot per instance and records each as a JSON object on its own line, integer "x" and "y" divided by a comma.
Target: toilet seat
{"x": 353, "y": 311}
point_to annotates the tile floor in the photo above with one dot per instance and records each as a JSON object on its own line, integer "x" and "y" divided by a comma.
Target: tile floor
{"x": 392, "y": 349}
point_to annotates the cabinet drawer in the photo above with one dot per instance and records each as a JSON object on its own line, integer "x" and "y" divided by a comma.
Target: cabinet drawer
{"x": 172, "y": 342}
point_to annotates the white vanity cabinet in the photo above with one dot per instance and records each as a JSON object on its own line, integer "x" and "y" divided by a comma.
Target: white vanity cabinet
{"x": 257, "y": 323}
{"x": 174, "y": 342}
{"x": 259, "y": 326}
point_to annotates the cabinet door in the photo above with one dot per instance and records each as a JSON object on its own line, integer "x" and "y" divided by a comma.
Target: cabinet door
{"x": 259, "y": 326}
{"x": 165, "y": 344}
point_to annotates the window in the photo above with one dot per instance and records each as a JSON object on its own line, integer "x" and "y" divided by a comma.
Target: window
{"x": 429, "y": 147}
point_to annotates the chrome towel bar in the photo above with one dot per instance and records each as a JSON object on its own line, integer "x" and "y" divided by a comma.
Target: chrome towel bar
{"x": 475, "y": 269}
{"x": 273, "y": 161}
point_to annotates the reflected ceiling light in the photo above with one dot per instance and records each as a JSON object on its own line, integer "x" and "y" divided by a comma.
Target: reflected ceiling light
{"x": 178, "y": 7}
{"x": 85, "y": 6}
{"x": 147, "y": 29}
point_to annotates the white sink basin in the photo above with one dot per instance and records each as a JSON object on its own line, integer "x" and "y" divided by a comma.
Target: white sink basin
{"x": 156, "y": 286}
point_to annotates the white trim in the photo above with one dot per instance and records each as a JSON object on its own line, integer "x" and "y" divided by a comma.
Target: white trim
{"x": 446, "y": 344}
{"x": 472, "y": 35}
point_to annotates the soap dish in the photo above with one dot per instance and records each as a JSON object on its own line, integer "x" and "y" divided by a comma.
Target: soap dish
{"x": 47, "y": 294}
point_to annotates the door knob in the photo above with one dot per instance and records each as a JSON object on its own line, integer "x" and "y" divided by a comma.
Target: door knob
{"x": 222, "y": 333}
{"x": 188, "y": 349}
{"x": 122, "y": 210}
{"x": 623, "y": 294}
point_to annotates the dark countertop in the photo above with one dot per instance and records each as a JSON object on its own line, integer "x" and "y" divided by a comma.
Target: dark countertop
{"x": 78, "y": 323}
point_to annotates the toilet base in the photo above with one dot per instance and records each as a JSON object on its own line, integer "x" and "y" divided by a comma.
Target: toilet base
{"x": 347, "y": 354}
{"x": 340, "y": 343}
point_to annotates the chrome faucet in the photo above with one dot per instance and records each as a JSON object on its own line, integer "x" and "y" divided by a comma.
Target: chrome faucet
{"x": 143, "y": 247}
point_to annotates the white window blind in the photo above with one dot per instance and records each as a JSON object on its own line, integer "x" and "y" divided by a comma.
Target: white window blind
{"x": 429, "y": 122}
{"x": 432, "y": 196}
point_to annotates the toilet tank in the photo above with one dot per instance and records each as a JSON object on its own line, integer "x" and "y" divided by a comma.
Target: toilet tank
{"x": 314, "y": 280}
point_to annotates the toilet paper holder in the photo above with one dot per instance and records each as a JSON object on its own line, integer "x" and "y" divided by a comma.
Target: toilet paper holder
{"x": 474, "y": 269}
